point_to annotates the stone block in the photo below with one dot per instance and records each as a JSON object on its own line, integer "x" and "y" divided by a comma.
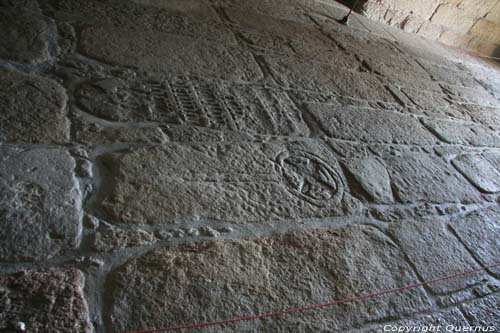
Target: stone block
{"x": 435, "y": 252}
{"x": 454, "y": 18}
{"x": 207, "y": 281}
{"x": 427, "y": 178}
{"x": 479, "y": 171}
{"x": 168, "y": 53}
{"x": 369, "y": 125}
{"x": 46, "y": 301}
{"x": 33, "y": 109}
{"x": 463, "y": 133}
{"x": 25, "y": 36}
{"x": 237, "y": 182}
{"x": 483, "y": 312}
{"x": 41, "y": 203}
{"x": 479, "y": 232}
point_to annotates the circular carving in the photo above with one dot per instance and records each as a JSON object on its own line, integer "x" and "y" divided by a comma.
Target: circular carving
{"x": 310, "y": 178}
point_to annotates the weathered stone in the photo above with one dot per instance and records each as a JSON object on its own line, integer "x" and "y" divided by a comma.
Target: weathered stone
{"x": 150, "y": 19}
{"x": 168, "y": 53}
{"x": 483, "y": 312}
{"x": 246, "y": 182}
{"x": 435, "y": 252}
{"x": 479, "y": 232}
{"x": 469, "y": 96}
{"x": 40, "y": 213}
{"x": 369, "y": 125}
{"x": 46, "y": 301}
{"x": 192, "y": 102}
{"x": 372, "y": 176}
{"x": 442, "y": 319}
{"x": 427, "y": 178}
{"x": 208, "y": 281}
{"x": 294, "y": 72}
{"x": 112, "y": 239}
{"x": 25, "y": 36}
{"x": 479, "y": 171}
{"x": 97, "y": 134}
{"x": 455, "y": 132}
{"x": 32, "y": 109}
{"x": 193, "y": 8}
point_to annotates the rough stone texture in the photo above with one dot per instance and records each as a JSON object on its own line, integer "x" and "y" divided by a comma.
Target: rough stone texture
{"x": 46, "y": 301}
{"x": 179, "y": 183}
{"x": 370, "y": 125}
{"x": 478, "y": 232}
{"x": 328, "y": 161}
{"x": 463, "y": 133}
{"x": 210, "y": 280}
{"x": 25, "y": 36}
{"x": 40, "y": 200}
{"x": 434, "y": 252}
{"x": 172, "y": 54}
{"x": 372, "y": 175}
{"x": 32, "y": 109}
{"x": 426, "y": 178}
{"x": 483, "y": 312}
{"x": 479, "y": 171}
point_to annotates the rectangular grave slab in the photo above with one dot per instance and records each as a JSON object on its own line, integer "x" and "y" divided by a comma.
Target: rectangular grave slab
{"x": 479, "y": 171}
{"x": 46, "y": 301}
{"x": 435, "y": 251}
{"x": 427, "y": 178}
{"x": 369, "y": 125}
{"x": 217, "y": 105}
{"x": 41, "y": 203}
{"x": 246, "y": 182}
{"x": 298, "y": 73}
{"x": 469, "y": 134}
{"x": 207, "y": 281}
{"x": 479, "y": 232}
{"x": 168, "y": 53}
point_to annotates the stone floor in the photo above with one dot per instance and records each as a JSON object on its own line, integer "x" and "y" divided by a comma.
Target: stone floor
{"x": 170, "y": 162}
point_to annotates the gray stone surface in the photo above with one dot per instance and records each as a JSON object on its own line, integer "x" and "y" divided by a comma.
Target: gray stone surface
{"x": 25, "y": 36}
{"x": 435, "y": 252}
{"x": 369, "y": 125}
{"x": 40, "y": 213}
{"x": 187, "y": 182}
{"x": 479, "y": 171}
{"x": 33, "y": 109}
{"x": 372, "y": 176}
{"x": 237, "y": 278}
{"x": 46, "y": 301}
{"x": 427, "y": 178}
{"x": 478, "y": 231}
{"x": 172, "y": 54}
{"x": 484, "y": 312}
{"x": 463, "y": 133}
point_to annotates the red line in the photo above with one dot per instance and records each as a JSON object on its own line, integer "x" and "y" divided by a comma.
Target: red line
{"x": 316, "y": 306}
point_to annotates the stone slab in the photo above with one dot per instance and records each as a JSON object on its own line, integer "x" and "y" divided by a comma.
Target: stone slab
{"x": 372, "y": 176}
{"x": 33, "y": 109}
{"x": 427, "y": 178}
{"x": 479, "y": 171}
{"x": 484, "y": 312}
{"x": 479, "y": 232}
{"x": 238, "y": 182}
{"x": 25, "y": 36}
{"x": 192, "y": 8}
{"x": 41, "y": 203}
{"x": 215, "y": 105}
{"x": 168, "y": 53}
{"x": 297, "y": 73}
{"x": 435, "y": 252}
{"x": 369, "y": 125}
{"x": 469, "y": 134}
{"x": 209, "y": 280}
{"x": 46, "y": 301}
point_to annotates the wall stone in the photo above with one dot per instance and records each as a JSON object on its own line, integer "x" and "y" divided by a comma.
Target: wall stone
{"x": 472, "y": 25}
